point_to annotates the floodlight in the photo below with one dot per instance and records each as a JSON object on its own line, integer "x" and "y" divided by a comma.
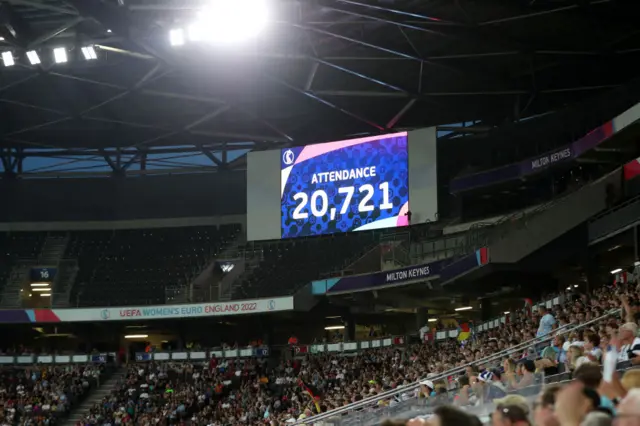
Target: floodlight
{"x": 89, "y": 53}
{"x": 33, "y": 57}
{"x": 229, "y": 22}
{"x": 60, "y": 55}
{"x": 136, "y": 336}
{"x": 176, "y": 37}
{"x": 615, "y": 271}
{"x": 464, "y": 308}
{"x": 7, "y": 58}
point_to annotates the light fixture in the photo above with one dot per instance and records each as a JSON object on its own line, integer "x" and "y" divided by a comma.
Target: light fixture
{"x": 41, "y": 289}
{"x": 7, "y": 58}
{"x": 39, "y": 284}
{"x": 569, "y": 288}
{"x": 176, "y": 37}
{"x": 45, "y": 295}
{"x": 1, "y": 38}
{"x": 335, "y": 327}
{"x": 507, "y": 312}
{"x": 33, "y": 57}
{"x": 194, "y": 32}
{"x": 575, "y": 285}
{"x": 464, "y": 308}
{"x": 60, "y": 55}
{"x": 230, "y": 22}
{"x": 89, "y": 53}
{"x": 615, "y": 271}
{"x": 136, "y": 336}
{"x": 432, "y": 320}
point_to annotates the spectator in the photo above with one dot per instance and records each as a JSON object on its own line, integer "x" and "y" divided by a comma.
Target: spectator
{"x": 629, "y": 409}
{"x": 547, "y": 321}
{"x": 630, "y": 343}
{"x": 543, "y": 407}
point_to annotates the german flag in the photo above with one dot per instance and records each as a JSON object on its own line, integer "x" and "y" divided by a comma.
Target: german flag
{"x": 312, "y": 392}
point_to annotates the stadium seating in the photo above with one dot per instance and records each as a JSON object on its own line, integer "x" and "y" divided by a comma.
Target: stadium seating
{"x": 288, "y": 265}
{"x": 46, "y": 394}
{"x": 507, "y": 357}
{"x": 134, "y": 267}
{"x": 16, "y": 246}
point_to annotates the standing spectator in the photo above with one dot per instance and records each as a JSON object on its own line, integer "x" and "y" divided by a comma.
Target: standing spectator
{"x": 547, "y": 321}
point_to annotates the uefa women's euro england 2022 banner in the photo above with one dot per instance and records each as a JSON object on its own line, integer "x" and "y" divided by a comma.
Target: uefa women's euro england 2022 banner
{"x": 353, "y": 185}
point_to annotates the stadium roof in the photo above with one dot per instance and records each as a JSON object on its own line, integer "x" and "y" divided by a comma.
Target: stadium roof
{"x": 321, "y": 70}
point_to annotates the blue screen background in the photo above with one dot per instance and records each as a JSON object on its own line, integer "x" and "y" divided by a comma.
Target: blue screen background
{"x": 390, "y": 157}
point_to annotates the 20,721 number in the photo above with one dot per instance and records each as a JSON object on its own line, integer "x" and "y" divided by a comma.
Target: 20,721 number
{"x": 320, "y": 202}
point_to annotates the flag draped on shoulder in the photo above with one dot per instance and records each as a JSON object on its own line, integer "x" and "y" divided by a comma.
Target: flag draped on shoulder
{"x": 312, "y": 392}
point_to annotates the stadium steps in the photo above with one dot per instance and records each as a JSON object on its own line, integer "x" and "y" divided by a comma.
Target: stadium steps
{"x": 202, "y": 288}
{"x": 63, "y": 284}
{"x": 96, "y": 396}
{"x": 513, "y": 240}
{"x": 53, "y": 249}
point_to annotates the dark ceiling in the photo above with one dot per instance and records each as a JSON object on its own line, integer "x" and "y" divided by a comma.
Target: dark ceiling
{"x": 322, "y": 70}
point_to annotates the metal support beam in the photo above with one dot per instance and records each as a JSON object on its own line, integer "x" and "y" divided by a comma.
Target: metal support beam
{"x": 44, "y": 6}
{"x": 541, "y": 13}
{"x": 110, "y": 162}
{"x": 312, "y": 75}
{"x": 427, "y": 19}
{"x": 359, "y": 42}
{"x": 391, "y": 124}
{"x": 51, "y": 34}
{"x": 213, "y": 158}
{"x": 331, "y": 105}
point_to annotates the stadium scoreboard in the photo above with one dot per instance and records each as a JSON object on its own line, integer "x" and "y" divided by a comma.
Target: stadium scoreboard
{"x": 351, "y": 185}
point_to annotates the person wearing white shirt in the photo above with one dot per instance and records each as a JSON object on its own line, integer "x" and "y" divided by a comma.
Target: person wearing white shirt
{"x": 547, "y": 321}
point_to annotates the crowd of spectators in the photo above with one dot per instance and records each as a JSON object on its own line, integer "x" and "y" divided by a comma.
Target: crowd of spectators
{"x": 222, "y": 392}
{"x": 44, "y": 395}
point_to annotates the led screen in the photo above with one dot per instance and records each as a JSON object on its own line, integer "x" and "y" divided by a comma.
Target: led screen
{"x": 353, "y": 185}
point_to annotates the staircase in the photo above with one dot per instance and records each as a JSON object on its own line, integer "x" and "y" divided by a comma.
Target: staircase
{"x": 10, "y": 297}
{"x": 96, "y": 396}
{"x": 53, "y": 249}
{"x": 63, "y": 284}
{"x": 228, "y": 285}
{"x": 203, "y": 289}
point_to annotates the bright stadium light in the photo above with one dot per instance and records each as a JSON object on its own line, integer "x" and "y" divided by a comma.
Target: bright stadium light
{"x": 39, "y": 284}
{"x": 335, "y": 327}
{"x": 230, "y": 22}
{"x": 41, "y": 289}
{"x": 33, "y": 57}
{"x": 7, "y": 58}
{"x": 615, "y": 271}
{"x": 60, "y": 55}
{"x": 464, "y": 308}
{"x": 89, "y": 53}
{"x": 136, "y": 336}
{"x": 176, "y": 37}
{"x": 45, "y": 295}
{"x": 432, "y": 320}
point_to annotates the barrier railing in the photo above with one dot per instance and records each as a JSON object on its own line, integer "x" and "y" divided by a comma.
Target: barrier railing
{"x": 57, "y": 359}
{"x": 347, "y": 409}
